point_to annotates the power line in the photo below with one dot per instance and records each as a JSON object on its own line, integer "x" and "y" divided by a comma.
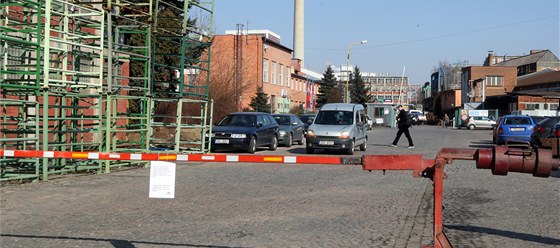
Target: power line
{"x": 439, "y": 36}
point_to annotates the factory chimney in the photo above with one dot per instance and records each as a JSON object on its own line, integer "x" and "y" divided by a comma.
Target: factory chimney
{"x": 298, "y": 31}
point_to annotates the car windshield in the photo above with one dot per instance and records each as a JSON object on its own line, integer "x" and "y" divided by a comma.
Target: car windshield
{"x": 282, "y": 119}
{"x": 238, "y": 120}
{"x": 334, "y": 117}
{"x": 306, "y": 118}
{"x": 517, "y": 121}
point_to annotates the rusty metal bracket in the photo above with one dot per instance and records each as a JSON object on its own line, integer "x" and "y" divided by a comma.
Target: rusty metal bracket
{"x": 500, "y": 159}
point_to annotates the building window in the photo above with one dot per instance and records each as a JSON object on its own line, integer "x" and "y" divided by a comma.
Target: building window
{"x": 288, "y": 71}
{"x": 265, "y": 70}
{"x": 273, "y": 72}
{"x": 532, "y": 106}
{"x": 280, "y": 74}
{"x": 494, "y": 81}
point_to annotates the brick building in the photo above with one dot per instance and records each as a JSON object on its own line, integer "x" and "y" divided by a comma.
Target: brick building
{"x": 256, "y": 58}
{"x": 480, "y": 82}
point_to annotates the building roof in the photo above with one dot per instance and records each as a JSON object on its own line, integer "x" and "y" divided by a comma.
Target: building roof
{"x": 543, "y": 94}
{"x": 543, "y": 76}
{"x": 527, "y": 59}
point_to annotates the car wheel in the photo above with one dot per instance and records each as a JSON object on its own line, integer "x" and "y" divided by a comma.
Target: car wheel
{"x": 273, "y": 143}
{"x": 289, "y": 141}
{"x": 350, "y": 150}
{"x": 363, "y": 146}
{"x": 252, "y": 145}
{"x": 471, "y": 127}
{"x": 300, "y": 142}
{"x": 309, "y": 150}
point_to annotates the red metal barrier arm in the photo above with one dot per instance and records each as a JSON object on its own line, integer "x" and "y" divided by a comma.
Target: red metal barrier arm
{"x": 181, "y": 157}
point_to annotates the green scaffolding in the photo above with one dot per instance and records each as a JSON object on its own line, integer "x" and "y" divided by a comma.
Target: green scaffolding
{"x": 73, "y": 61}
{"x": 90, "y": 76}
{"x": 20, "y": 35}
{"x": 181, "y": 67}
{"x": 128, "y": 72}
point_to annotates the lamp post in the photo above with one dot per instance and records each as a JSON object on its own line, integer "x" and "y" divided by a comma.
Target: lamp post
{"x": 348, "y": 65}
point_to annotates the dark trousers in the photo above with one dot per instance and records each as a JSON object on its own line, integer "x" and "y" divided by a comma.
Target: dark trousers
{"x": 406, "y": 133}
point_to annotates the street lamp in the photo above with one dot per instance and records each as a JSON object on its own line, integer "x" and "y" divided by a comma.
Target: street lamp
{"x": 348, "y": 64}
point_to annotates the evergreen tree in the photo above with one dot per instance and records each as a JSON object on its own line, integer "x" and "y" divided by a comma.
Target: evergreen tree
{"x": 328, "y": 87}
{"x": 259, "y": 103}
{"x": 359, "y": 93}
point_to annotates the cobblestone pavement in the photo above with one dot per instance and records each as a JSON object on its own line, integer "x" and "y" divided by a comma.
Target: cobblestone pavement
{"x": 273, "y": 205}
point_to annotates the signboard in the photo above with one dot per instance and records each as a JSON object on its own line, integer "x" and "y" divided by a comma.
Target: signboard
{"x": 162, "y": 179}
{"x": 477, "y": 112}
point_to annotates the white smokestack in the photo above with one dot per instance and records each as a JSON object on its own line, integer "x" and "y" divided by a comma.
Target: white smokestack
{"x": 298, "y": 30}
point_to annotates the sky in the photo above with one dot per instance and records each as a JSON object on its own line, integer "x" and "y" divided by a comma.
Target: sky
{"x": 407, "y": 36}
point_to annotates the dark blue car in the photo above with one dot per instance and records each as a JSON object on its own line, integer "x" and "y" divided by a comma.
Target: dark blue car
{"x": 514, "y": 128}
{"x": 245, "y": 130}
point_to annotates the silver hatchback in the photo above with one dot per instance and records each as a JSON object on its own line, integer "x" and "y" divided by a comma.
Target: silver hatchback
{"x": 477, "y": 122}
{"x": 338, "y": 126}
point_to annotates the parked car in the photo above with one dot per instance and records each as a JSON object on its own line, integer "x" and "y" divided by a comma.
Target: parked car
{"x": 544, "y": 129}
{"x": 537, "y": 119}
{"x": 556, "y": 131}
{"x": 307, "y": 119}
{"x": 245, "y": 130}
{"x": 338, "y": 126}
{"x": 418, "y": 118}
{"x": 477, "y": 122}
{"x": 495, "y": 129}
{"x": 291, "y": 129}
{"x": 514, "y": 128}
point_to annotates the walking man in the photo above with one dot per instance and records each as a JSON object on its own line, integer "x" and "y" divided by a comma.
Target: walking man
{"x": 446, "y": 121}
{"x": 403, "y": 123}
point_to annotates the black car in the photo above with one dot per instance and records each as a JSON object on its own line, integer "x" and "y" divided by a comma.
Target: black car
{"x": 245, "y": 130}
{"x": 544, "y": 129}
{"x": 291, "y": 129}
{"x": 307, "y": 120}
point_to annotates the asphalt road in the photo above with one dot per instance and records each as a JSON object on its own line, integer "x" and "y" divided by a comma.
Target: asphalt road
{"x": 287, "y": 205}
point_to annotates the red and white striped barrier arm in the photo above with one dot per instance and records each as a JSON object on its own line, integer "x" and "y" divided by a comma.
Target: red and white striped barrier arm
{"x": 178, "y": 157}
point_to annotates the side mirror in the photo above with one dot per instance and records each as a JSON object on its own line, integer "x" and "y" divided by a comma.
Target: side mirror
{"x": 309, "y": 122}
{"x": 259, "y": 124}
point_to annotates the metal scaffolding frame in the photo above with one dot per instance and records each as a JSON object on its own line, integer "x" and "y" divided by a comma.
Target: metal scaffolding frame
{"x": 128, "y": 74}
{"x": 181, "y": 76}
{"x": 80, "y": 76}
{"x": 20, "y": 52}
{"x": 73, "y": 58}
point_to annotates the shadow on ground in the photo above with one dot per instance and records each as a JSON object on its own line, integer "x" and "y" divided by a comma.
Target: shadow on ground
{"x": 507, "y": 234}
{"x": 117, "y": 243}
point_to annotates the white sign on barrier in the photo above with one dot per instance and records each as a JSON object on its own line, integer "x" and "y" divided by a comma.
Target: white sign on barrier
{"x": 162, "y": 179}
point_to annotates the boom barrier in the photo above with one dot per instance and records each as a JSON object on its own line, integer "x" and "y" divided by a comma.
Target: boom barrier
{"x": 500, "y": 159}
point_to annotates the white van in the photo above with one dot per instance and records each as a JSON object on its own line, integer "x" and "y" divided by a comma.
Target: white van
{"x": 338, "y": 126}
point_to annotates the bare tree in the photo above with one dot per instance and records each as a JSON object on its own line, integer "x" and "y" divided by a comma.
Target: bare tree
{"x": 222, "y": 82}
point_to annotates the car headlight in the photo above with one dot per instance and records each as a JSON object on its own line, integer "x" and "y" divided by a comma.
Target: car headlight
{"x": 344, "y": 135}
{"x": 239, "y": 136}
{"x": 282, "y": 133}
{"x": 310, "y": 134}
{"x": 212, "y": 135}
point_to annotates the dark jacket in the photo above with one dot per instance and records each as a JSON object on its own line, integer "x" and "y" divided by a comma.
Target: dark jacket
{"x": 403, "y": 121}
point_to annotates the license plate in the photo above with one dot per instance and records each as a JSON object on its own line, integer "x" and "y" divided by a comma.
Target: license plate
{"x": 517, "y": 129}
{"x": 222, "y": 141}
{"x": 326, "y": 142}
